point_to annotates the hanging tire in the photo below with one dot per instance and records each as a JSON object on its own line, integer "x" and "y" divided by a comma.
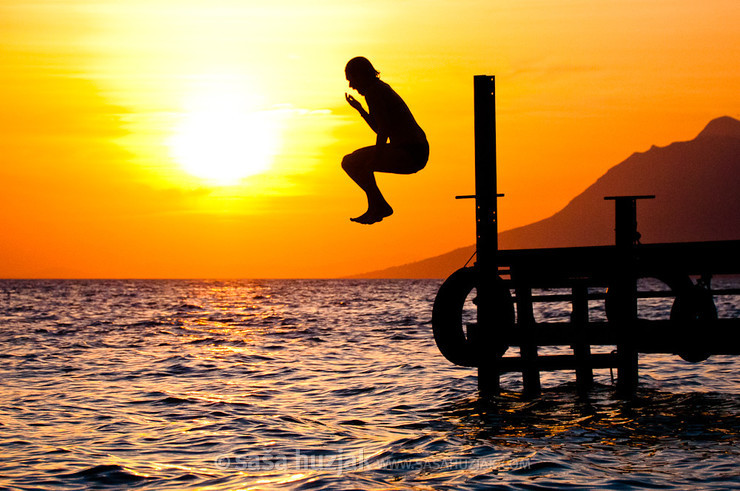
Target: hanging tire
{"x": 449, "y": 333}
{"x": 690, "y": 310}
{"x": 692, "y": 305}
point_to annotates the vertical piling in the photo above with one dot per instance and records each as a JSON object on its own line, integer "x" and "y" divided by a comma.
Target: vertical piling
{"x": 624, "y": 283}
{"x": 528, "y": 346}
{"x": 581, "y": 347}
{"x": 486, "y": 224}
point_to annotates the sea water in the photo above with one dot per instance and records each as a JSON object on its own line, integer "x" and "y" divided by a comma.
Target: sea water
{"x": 324, "y": 384}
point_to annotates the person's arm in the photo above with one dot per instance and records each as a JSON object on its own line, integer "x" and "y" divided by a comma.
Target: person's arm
{"x": 381, "y": 138}
{"x": 365, "y": 115}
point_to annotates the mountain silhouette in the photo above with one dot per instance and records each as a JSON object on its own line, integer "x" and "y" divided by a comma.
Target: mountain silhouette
{"x": 697, "y": 198}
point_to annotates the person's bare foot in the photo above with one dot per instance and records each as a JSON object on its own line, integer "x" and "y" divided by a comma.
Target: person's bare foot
{"x": 374, "y": 215}
{"x": 366, "y": 218}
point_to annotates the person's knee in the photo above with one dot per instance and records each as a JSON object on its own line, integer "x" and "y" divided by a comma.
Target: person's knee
{"x": 348, "y": 163}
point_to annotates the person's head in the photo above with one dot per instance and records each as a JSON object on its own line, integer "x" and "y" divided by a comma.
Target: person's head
{"x": 360, "y": 73}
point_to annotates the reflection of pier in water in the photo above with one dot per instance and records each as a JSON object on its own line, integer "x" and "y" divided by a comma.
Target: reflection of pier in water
{"x": 693, "y": 330}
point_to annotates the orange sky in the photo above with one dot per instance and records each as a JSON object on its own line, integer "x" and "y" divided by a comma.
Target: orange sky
{"x": 128, "y": 130}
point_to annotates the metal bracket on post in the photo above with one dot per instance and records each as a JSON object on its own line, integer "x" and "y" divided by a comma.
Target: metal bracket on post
{"x": 472, "y": 196}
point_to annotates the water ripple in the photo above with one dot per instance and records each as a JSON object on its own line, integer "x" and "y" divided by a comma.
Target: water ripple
{"x": 322, "y": 384}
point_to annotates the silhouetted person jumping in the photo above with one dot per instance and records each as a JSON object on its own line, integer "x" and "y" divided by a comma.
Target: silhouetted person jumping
{"x": 400, "y": 147}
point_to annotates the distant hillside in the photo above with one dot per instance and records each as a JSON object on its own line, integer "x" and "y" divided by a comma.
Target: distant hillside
{"x": 697, "y": 189}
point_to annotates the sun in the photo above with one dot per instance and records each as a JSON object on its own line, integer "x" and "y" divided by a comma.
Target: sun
{"x": 221, "y": 139}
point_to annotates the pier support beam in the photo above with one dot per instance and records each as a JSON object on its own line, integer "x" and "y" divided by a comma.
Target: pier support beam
{"x": 486, "y": 225}
{"x": 528, "y": 347}
{"x": 624, "y": 282}
{"x": 581, "y": 347}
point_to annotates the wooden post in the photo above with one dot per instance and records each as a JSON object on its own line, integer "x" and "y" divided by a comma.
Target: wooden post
{"x": 486, "y": 225}
{"x": 528, "y": 345}
{"x": 581, "y": 348}
{"x": 625, "y": 283}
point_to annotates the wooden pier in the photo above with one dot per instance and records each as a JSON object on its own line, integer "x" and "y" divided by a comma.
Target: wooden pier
{"x": 610, "y": 274}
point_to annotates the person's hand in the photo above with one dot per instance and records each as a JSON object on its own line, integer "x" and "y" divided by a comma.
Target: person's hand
{"x": 353, "y": 102}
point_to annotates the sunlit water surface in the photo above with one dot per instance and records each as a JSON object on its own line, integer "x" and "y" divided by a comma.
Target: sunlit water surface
{"x": 323, "y": 385}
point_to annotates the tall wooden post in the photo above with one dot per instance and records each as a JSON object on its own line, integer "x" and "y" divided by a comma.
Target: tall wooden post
{"x": 486, "y": 226}
{"x": 625, "y": 284}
